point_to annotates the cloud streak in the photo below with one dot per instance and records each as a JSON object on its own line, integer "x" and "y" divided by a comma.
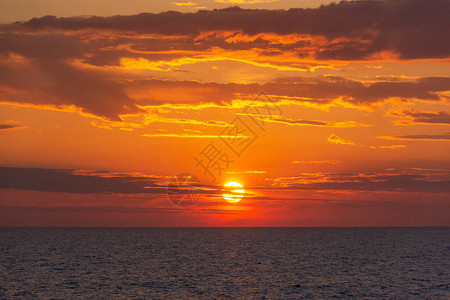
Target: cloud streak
{"x": 9, "y": 126}
{"x": 315, "y": 123}
{"x": 337, "y": 140}
{"x": 419, "y": 137}
{"x": 421, "y": 117}
{"x": 86, "y": 182}
{"x": 332, "y": 162}
{"x": 409, "y": 182}
{"x": 193, "y": 136}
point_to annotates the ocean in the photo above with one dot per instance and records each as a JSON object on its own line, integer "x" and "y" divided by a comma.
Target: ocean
{"x": 211, "y": 263}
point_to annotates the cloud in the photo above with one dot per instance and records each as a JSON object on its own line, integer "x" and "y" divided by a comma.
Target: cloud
{"x": 9, "y": 126}
{"x": 193, "y": 136}
{"x": 93, "y": 63}
{"x": 356, "y": 92}
{"x": 245, "y": 1}
{"x": 38, "y": 45}
{"x": 85, "y": 182}
{"x": 184, "y": 3}
{"x": 337, "y": 140}
{"x": 392, "y": 147}
{"x": 333, "y": 162}
{"x": 90, "y": 209}
{"x": 354, "y": 30}
{"x": 245, "y": 172}
{"x": 109, "y": 209}
{"x": 209, "y": 123}
{"x": 63, "y": 84}
{"x": 406, "y": 182}
{"x": 67, "y": 181}
{"x": 423, "y": 137}
{"x": 102, "y": 92}
{"x": 417, "y": 116}
{"x": 315, "y": 123}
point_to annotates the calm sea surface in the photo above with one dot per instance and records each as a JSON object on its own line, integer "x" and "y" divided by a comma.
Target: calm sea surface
{"x": 173, "y": 263}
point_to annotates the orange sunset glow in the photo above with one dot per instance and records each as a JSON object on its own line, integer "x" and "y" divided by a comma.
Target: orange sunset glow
{"x": 269, "y": 113}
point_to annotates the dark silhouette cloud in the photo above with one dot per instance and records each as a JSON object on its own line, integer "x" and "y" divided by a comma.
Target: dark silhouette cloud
{"x": 314, "y": 123}
{"x": 441, "y": 117}
{"x": 431, "y": 137}
{"x": 54, "y": 46}
{"x": 403, "y": 183}
{"x": 59, "y": 83}
{"x": 371, "y": 182}
{"x": 412, "y": 28}
{"x": 89, "y": 209}
{"x": 8, "y": 126}
{"x": 358, "y": 92}
{"x": 67, "y": 181}
{"x": 72, "y": 181}
{"x": 108, "y": 209}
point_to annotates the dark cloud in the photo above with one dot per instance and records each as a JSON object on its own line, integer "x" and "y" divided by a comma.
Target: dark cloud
{"x": 67, "y": 181}
{"x": 441, "y": 117}
{"x": 108, "y": 209}
{"x": 302, "y": 122}
{"x": 314, "y": 123}
{"x": 344, "y": 16}
{"x": 54, "y": 46}
{"x": 431, "y": 137}
{"x": 412, "y": 28}
{"x": 320, "y": 90}
{"x": 72, "y": 181}
{"x": 8, "y": 126}
{"x": 89, "y": 209}
{"x": 370, "y": 182}
{"x": 60, "y": 83}
{"x": 358, "y": 92}
{"x": 95, "y": 92}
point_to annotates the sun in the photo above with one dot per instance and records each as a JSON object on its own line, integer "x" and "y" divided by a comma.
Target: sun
{"x": 233, "y": 192}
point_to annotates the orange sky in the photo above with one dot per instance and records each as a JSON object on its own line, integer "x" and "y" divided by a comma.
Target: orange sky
{"x": 330, "y": 116}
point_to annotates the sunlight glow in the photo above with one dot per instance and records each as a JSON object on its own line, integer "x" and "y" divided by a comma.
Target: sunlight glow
{"x": 233, "y": 192}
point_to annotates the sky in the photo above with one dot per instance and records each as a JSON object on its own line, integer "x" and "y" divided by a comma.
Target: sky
{"x": 137, "y": 114}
